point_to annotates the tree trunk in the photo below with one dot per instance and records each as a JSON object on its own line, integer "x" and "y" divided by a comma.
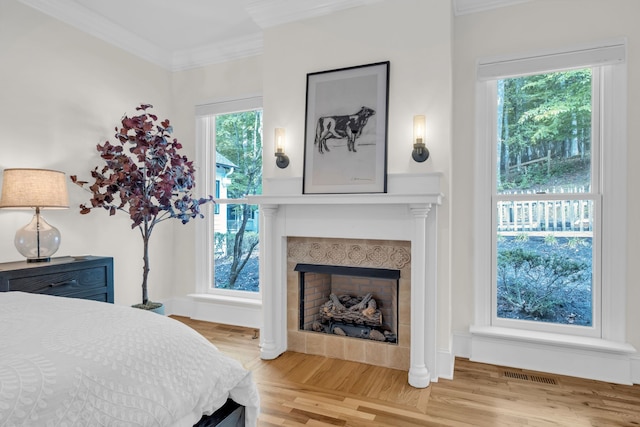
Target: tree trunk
{"x": 574, "y": 136}
{"x": 145, "y": 268}
{"x": 238, "y": 262}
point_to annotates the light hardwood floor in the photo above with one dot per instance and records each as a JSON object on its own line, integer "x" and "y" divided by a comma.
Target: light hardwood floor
{"x": 303, "y": 390}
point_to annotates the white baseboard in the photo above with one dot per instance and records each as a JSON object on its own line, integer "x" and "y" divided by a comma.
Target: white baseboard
{"x": 462, "y": 344}
{"x": 635, "y": 369}
{"x": 595, "y": 359}
{"x": 446, "y": 361}
{"x": 217, "y": 309}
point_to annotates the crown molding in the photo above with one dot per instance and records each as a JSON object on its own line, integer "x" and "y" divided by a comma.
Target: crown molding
{"x": 103, "y": 29}
{"x": 88, "y": 22}
{"x": 465, "y": 7}
{"x": 265, "y": 13}
{"x": 270, "y": 13}
{"x": 216, "y": 53}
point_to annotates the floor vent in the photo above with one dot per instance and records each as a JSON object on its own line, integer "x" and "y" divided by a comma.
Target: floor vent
{"x": 533, "y": 378}
{"x": 515, "y": 375}
{"x": 544, "y": 380}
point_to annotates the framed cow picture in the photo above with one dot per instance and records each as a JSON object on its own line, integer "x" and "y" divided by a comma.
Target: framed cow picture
{"x": 346, "y": 130}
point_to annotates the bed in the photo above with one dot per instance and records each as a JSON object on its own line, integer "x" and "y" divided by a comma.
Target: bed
{"x": 67, "y": 361}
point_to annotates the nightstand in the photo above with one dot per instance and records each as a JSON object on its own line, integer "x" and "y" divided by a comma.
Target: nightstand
{"x": 87, "y": 277}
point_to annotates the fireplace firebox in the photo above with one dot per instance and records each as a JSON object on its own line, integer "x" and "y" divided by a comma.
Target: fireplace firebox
{"x": 356, "y": 302}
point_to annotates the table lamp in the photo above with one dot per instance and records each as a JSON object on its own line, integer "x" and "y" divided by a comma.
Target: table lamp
{"x": 35, "y": 189}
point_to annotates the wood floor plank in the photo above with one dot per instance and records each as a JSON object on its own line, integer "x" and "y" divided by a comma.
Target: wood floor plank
{"x": 319, "y": 411}
{"x": 312, "y": 391}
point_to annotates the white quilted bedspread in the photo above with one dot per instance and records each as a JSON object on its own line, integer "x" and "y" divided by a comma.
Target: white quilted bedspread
{"x": 72, "y": 362}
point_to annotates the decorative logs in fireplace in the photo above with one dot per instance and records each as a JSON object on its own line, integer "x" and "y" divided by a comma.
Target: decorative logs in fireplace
{"x": 353, "y": 316}
{"x": 348, "y": 309}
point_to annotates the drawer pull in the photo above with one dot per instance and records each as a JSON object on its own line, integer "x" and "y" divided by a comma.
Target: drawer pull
{"x": 67, "y": 282}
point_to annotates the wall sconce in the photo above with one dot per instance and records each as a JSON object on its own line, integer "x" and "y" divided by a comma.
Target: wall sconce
{"x": 420, "y": 152}
{"x": 35, "y": 189}
{"x": 282, "y": 160}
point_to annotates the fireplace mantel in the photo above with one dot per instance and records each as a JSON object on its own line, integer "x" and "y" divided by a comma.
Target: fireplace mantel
{"x": 408, "y": 211}
{"x": 349, "y": 199}
{"x": 402, "y": 189}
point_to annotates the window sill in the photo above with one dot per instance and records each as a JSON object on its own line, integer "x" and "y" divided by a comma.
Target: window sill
{"x": 556, "y": 340}
{"x": 227, "y": 300}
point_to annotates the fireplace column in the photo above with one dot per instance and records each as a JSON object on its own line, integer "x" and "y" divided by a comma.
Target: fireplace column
{"x": 271, "y": 341}
{"x": 423, "y": 297}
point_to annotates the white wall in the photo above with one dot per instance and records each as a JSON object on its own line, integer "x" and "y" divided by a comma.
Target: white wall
{"x": 535, "y": 25}
{"x": 61, "y": 93}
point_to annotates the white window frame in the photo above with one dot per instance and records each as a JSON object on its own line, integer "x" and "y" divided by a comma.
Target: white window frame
{"x": 609, "y": 127}
{"x": 594, "y": 195}
{"x": 206, "y": 159}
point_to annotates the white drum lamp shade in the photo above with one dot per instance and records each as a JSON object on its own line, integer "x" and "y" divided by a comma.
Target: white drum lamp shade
{"x": 35, "y": 189}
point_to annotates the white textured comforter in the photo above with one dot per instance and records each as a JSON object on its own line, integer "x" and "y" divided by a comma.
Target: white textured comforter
{"x": 72, "y": 362}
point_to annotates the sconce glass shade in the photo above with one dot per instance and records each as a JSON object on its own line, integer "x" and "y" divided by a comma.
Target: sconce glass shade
{"x": 279, "y": 140}
{"x": 420, "y": 152}
{"x": 35, "y": 189}
{"x": 418, "y": 129}
{"x": 282, "y": 160}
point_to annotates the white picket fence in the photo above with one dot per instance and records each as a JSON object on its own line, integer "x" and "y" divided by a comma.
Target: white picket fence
{"x": 546, "y": 215}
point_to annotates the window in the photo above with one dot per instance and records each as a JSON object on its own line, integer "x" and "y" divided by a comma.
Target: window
{"x": 546, "y": 198}
{"x": 230, "y": 146}
{"x": 550, "y": 189}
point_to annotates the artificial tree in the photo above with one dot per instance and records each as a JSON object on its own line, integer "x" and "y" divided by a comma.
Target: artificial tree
{"x": 146, "y": 177}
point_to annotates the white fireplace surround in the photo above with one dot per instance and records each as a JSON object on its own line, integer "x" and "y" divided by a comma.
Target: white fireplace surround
{"x": 408, "y": 211}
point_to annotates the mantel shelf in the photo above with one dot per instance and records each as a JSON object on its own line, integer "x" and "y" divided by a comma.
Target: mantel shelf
{"x": 348, "y": 199}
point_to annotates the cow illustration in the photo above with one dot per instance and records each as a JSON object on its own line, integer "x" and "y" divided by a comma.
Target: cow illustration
{"x": 340, "y": 127}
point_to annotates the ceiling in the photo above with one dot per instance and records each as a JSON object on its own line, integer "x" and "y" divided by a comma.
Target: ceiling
{"x": 182, "y": 34}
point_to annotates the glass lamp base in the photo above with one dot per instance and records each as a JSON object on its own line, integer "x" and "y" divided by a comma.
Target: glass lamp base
{"x": 38, "y": 240}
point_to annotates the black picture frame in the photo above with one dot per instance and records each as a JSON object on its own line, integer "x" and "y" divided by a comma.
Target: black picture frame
{"x": 346, "y": 130}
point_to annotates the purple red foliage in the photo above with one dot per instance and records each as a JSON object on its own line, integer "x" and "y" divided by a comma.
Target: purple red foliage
{"x": 145, "y": 176}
